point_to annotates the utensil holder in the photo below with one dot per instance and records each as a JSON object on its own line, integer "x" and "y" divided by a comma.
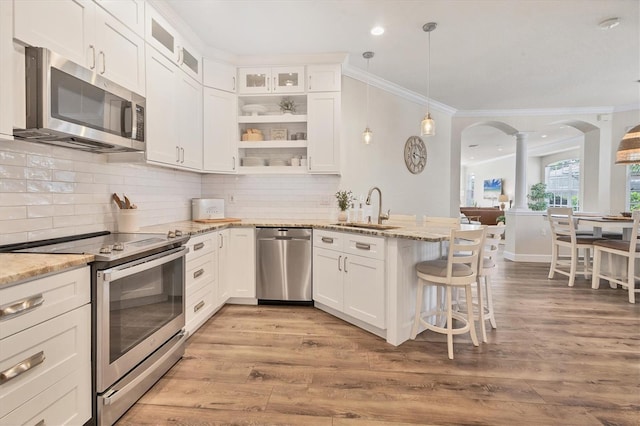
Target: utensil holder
{"x": 128, "y": 220}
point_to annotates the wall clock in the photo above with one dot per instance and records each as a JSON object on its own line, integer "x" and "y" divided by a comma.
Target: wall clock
{"x": 415, "y": 154}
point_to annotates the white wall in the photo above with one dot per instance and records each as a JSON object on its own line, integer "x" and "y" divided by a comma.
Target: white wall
{"x": 393, "y": 120}
{"x": 48, "y": 192}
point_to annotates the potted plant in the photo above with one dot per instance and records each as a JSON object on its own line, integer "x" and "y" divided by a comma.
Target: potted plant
{"x": 344, "y": 201}
{"x": 287, "y": 106}
{"x": 501, "y": 218}
{"x": 538, "y": 197}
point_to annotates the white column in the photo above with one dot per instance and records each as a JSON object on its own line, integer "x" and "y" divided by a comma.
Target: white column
{"x": 521, "y": 171}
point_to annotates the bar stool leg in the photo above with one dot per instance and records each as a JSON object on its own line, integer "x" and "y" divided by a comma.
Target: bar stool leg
{"x": 481, "y": 318}
{"x": 492, "y": 315}
{"x": 472, "y": 326}
{"x": 450, "y": 322}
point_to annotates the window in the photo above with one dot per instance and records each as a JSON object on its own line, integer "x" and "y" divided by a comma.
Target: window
{"x": 633, "y": 183}
{"x": 563, "y": 183}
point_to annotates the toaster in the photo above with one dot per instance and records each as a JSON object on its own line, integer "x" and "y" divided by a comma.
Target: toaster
{"x": 207, "y": 208}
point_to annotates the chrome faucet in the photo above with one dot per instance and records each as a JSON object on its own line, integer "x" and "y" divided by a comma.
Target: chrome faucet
{"x": 381, "y": 216}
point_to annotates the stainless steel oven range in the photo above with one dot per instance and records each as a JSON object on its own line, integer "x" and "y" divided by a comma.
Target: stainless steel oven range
{"x": 138, "y": 283}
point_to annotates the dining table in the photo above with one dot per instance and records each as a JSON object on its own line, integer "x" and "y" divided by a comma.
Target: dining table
{"x": 615, "y": 223}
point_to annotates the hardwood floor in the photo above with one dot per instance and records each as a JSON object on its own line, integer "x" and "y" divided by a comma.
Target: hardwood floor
{"x": 560, "y": 356}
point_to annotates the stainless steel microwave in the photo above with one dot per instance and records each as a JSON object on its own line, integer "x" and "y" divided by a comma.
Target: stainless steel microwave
{"x": 72, "y": 106}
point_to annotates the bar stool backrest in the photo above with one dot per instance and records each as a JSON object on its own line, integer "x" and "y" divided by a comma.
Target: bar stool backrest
{"x": 464, "y": 248}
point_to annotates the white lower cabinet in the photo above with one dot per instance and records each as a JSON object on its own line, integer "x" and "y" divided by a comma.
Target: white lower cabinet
{"x": 241, "y": 273}
{"x": 201, "y": 280}
{"x": 349, "y": 275}
{"x": 45, "y": 353}
{"x": 223, "y": 266}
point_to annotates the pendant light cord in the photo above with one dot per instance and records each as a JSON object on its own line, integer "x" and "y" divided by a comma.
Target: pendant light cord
{"x": 428, "y": 71}
{"x": 367, "y": 110}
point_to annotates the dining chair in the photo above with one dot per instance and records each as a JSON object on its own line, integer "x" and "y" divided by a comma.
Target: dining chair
{"x": 487, "y": 266}
{"x": 459, "y": 270}
{"x": 408, "y": 218}
{"x": 630, "y": 250}
{"x": 563, "y": 234}
{"x": 443, "y": 222}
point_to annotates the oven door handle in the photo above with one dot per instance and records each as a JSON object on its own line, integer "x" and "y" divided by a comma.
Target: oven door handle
{"x": 145, "y": 264}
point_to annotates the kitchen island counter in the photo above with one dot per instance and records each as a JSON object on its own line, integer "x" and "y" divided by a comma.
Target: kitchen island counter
{"x": 404, "y": 230}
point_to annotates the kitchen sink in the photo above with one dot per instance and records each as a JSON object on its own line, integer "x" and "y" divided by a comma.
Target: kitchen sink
{"x": 367, "y": 226}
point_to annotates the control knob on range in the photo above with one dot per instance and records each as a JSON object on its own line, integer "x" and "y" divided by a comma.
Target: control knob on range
{"x": 171, "y": 234}
{"x": 178, "y": 233}
{"x": 105, "y": 249}
{"x": 118, "y": 246}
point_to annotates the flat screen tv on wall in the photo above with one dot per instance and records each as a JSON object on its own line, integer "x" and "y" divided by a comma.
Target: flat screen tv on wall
{"x": 492, "y": 188}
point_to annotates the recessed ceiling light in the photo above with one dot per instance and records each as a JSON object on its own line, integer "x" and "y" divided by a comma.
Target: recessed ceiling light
{"x": 499, "y": 147}
{"x": 543, "y": 136}
{"x": 377, "y": 30}
{"x": 607, "y": 24}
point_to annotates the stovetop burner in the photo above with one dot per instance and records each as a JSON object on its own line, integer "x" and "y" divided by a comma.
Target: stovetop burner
{"x": 103, "y": 245}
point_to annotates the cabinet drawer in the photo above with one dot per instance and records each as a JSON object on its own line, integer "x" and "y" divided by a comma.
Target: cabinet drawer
{"x": 328, "y": 239}
{"x": 200, "y": 246}
{"x": 65, "y": 344}
{"x": 199, "y": 271}
{"x": 58, "y": 293}
{"x": 66, "y": 402}
{"x": 198, "y": 304}
{"x": 362, "y": 245}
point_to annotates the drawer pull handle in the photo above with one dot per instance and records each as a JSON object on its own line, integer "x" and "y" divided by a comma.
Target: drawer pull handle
{"x": 198, "y": 246}
{"x": 21, "y": 307}
{"x": 345, "y": 265}
{"x": 327, "y": 240}
{"x": 199, "y": 306}
{"x": 199, "y": 272}
{"x": 363, "y": 246}
{"x": 21, "y": 367}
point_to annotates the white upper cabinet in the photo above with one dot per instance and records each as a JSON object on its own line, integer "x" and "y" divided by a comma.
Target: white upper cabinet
{"x": 84, "y": 33}
{"x": 323, "y": 124}
{"x": 289, "y": 79}
{"x": 120, "y": 55}
{"x": 6, "y": 72}
{"x": 129, "y": 12}
{"x": 220, "y": 131}
{"x": 324, "y": 78}
{"x": 174, "y": 114}
{"x": 66, "y": 27}
{"x": 161, "y": 35}
{"x": 219, "y": 75}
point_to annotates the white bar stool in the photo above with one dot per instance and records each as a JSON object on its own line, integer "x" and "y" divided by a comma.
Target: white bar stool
{"x": 458, "y": 270}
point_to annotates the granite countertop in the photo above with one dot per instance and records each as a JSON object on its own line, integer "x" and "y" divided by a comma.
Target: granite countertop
{"x": 23, "y": 266}
{"x": 406, "y": 230}
{"x": 17, "y": 267}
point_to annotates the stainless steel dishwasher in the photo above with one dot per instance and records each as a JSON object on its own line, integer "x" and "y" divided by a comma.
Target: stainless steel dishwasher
{"x": 283, "y": 272}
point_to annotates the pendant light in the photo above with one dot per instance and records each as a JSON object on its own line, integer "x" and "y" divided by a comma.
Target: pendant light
{"x": 428, "y": 126}
{"x": 629, "y": 147}
{"x": 367, "y": 135}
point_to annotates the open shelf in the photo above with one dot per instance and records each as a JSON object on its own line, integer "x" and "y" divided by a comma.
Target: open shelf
{"x": 280, "y": 118}
{"x": 272, "y": 170}
{"x": 273, "y": 144}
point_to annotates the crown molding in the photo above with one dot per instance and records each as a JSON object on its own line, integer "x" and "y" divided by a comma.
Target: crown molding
{"x": 544, "y": 111}
{"x": 380, "y": 83}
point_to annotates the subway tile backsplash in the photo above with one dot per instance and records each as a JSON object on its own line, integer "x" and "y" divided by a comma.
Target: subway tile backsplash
{"x": 48, "y": 192}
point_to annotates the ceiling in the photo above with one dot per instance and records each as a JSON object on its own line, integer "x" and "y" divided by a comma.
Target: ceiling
{"x": 485, "y": 54}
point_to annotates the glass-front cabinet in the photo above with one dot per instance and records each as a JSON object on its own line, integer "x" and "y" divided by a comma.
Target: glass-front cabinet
{"x": 271, "y": 80}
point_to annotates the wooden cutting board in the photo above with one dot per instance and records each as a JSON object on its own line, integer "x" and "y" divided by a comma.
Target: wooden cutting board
{"x": 223, "y": 220}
